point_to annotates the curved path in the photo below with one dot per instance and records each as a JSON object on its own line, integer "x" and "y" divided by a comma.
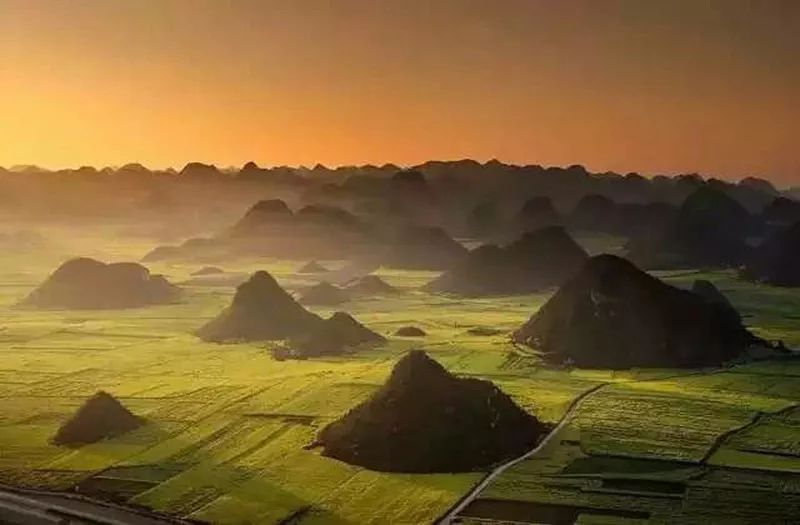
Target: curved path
{"x": 33, "y": 507}
{"x": 448, "y": 518}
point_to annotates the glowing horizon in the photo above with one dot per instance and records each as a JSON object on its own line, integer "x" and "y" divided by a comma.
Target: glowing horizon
{"x": 651, "y": 87}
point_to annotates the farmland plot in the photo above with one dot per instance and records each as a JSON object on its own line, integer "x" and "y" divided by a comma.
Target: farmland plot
{"x": 228, "y": 426}
{"x": 700, "y": 448}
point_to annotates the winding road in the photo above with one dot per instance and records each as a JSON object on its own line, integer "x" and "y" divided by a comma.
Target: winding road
{"x": 473, "y": 494}
{"x": 30, "y": 507}
{"x": 462, "y": 504}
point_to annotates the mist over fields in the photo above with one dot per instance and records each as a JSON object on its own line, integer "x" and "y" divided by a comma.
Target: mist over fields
{"x": 367, "y": 344}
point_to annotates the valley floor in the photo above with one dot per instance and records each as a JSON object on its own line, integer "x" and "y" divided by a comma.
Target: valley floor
{"x": 227, "y": 424}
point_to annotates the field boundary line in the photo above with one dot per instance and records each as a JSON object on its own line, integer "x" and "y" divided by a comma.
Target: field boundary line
{"x": 133, "y": 509}
{"x": 468, "y": 498}
{"x": 755, "y": 420}
{"x": 125, "y": 462}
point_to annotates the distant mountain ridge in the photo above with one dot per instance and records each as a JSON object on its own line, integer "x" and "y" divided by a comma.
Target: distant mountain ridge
{"x": 461, "y": 196}
{"x": 430, "y": 169}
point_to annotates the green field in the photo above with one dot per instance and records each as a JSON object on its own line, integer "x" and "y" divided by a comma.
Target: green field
{"x": 707, "y": 446}
{"x": 227, "y": 424}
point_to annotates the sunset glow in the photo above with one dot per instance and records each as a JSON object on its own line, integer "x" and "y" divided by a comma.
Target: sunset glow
{"x": 654, "y": 87}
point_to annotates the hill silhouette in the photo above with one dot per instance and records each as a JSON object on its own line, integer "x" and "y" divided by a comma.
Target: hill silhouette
{"x": 777, "y": 260}
{"x": 483, "y": 220}
{"x": 260, "y": 311}
{"x": 100, "y": 417}
{"x": 437, "y": 193}
{"x": 328, "y": 216}
{"x": 709, "y": 230}
{"x": 324, "y": 293}
{"x": 595, "y": 213}
{"x": 410, "y": 331}
{"x": 422, "y": 248}
{"x": 333, "y": 336}
{"x": 196, "y": 250}
{"x": 270, "y": 228}
{"x": 537, "y": 260}
{"x": 711, "y": 294}
{"x": 85, "y": 283}
{"x": 162, "y": 253}
{"x": 537, "y": 213}
{"x": 424, "y": 419}
{"x": 263, "y": 214}
{"x": 613, "y": 315}
{"x": 209, "y": 270}
{"x": 370, "y": 285}
{"x": 782, "y": 211}
{"x": 312, "y": 267}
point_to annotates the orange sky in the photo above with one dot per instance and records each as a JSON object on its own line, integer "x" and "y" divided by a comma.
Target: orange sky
{"x": 657, "y": 87}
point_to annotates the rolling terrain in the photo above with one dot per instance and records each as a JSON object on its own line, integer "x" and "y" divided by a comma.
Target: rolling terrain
{"x": 227, "y": 424}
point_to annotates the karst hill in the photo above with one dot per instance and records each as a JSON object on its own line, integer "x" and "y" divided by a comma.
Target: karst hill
{"x": 613, "y": 315}
{"x": 424, "y": 419}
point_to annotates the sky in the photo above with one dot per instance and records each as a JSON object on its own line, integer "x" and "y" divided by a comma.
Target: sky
{"x": 674, "y": 86}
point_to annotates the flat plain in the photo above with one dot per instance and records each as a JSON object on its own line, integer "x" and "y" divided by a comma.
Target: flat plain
{"x": 227, "y": 424}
